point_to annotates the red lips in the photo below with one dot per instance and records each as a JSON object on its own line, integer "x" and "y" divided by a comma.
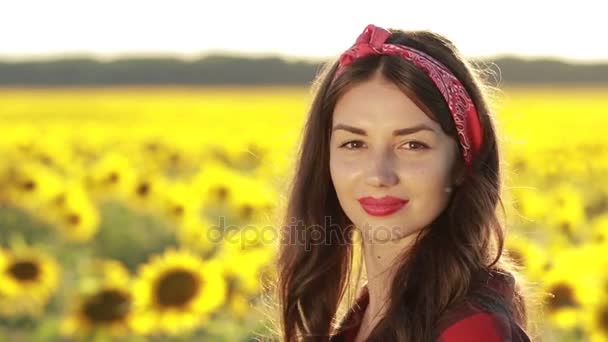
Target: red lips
{"x": 382, "y": 206}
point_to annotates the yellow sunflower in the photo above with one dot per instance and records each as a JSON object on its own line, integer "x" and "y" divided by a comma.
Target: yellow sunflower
{"x": 111, "y": 176}
{"x": 176, "y": 292}
{"x": 573, "y": 282}
{"x": 53, "y": 151}
{"x": 531, "y": 202}
{"x": 32, "y": 185}
{"x": 596, "y": 321}
{"x": 196, "y": 234}
{"x": 180, "y": 157}
{"x": 254, "y": 200}
{"x": 235, "y": 153}
{"x": 247, "y": 266}
{"x": 73, "y": 213}
{"x": 28, "y": 278}
{"x": 180, "y": 203}
{"x": 216, "y": 183}
{"x": 105, "y": 303}
{"x": 568, "y": 212}
{"x": 277, "y": 163}
{"x": 245, "y": 269}
{"x": 527, "y": 254}
{"x": 160, "y": 155}
{"x": 599, "y": 229}
{"x": 238, "y": 302}
{"x": 259, "y": 234}
{"x": 146, "y": 193}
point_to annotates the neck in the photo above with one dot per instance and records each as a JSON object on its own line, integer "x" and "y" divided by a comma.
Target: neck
{"x": 381, "y": 259}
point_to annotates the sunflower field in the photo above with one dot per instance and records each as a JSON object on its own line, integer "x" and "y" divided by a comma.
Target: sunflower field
{"x": 151, "y": 214}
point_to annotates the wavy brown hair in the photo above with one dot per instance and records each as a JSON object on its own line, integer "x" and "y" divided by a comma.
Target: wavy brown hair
{"x": 446, "y": 264}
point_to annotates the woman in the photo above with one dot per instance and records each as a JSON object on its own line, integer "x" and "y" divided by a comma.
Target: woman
{"x": 400, "y": 148}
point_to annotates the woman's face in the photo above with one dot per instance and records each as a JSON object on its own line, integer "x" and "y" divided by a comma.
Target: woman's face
{"x": 382, "y": 144}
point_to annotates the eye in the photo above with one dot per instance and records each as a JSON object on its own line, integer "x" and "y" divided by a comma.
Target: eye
{"x": 414, "y": 143}
{"x": 352, "y": 144}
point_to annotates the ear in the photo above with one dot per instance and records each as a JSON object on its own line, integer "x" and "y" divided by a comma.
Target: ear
{"x": 458, "y": 174}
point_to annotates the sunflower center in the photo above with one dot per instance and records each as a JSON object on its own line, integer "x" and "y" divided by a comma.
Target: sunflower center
{"x": 178, "y": 210}
{"x": 222, "y": 193}
{"x": 113, "y": 177}
{"x": 46, "y": 159}
{"x": 109, "y": 305}
{"x": 177, "y": 288}
{"x": 143, "y": 189}
{"x": 60, "y": 199}
{"x": 152, "y": 146}
{"x": 563, "y": 297}
{"x": 29, "y": 185}
{"x": 231, "y": 286}
{"x": 247, "y": 212}
{"x": 24, "y": 270}
{"x": 603, "y": 318}
{"x": 73, "y": 219}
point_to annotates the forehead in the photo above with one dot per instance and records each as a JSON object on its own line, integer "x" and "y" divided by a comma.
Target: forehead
{"x": 381, "y": 103}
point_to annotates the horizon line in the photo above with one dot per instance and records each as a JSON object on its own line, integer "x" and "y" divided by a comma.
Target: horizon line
{"x": 45, "y": 57}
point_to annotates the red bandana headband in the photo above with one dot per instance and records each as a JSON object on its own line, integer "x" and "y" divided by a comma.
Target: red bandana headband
{"x": 371, "y": 41}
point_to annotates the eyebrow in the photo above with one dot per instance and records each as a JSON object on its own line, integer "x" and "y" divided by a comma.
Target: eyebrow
{"x": 396, "y": 133}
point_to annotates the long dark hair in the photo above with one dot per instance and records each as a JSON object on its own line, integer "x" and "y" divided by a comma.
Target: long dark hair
{"x": 445, "y": 266}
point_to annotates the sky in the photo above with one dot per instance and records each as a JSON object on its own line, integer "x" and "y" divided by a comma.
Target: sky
{"x": 313, "y": 29}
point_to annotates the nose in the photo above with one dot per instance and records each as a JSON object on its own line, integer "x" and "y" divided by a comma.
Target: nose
{"x": 381, "y": 170}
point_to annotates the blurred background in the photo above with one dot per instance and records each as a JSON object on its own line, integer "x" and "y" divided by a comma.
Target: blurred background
{"x": 147, "y": 148}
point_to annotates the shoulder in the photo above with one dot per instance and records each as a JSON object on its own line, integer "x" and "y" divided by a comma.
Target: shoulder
{"x": 476, "y": 327}
{"x": 471, "y": 322}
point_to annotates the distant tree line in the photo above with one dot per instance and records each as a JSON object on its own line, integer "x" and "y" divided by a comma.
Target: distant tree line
{"x": 232, "y": 70}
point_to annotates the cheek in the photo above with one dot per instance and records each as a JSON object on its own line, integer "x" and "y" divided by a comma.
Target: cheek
{"x": 429, "y": 173}
{"x": 427, "y": 181}
{"x": 339, "y": 173}
{"x": 345, "y": 175}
